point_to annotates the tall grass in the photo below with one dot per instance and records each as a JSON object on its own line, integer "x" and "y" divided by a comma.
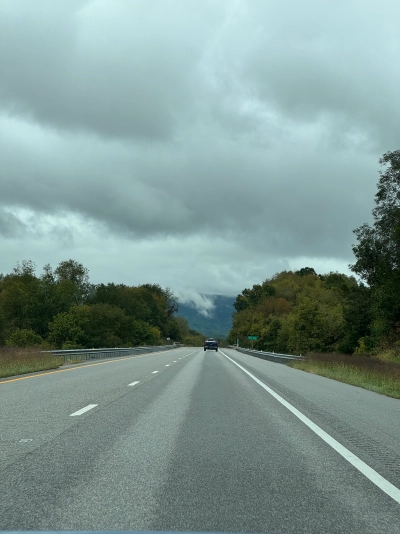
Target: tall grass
{"x": 359, "y": 370}
{"x": 18, "y": 361}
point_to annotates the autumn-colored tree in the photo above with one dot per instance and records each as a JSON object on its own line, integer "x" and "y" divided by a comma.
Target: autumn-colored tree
{"x": 296, "y": 313}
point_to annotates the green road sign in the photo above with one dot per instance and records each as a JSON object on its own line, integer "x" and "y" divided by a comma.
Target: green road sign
{"x": 252, "y": 338}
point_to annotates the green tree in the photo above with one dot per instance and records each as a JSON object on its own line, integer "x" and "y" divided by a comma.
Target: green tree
{"x": 377, "y": 252}
{"x": 68, "y": 329}
{"x": 55, "y": 296}
{"x": 305, "y": 271}
{"x": 144, "y": 334}
{"x": 26, "y": 268}
{"x": 62, "y": 308}
{"x": 108, "y": 326}
{"x": 19, "y": 297}
{"x": 149, "y": 302}
{"x": 178, "y": 328}
{"x": 251, "y": 297}
{"x": 78, "y": 277}
{"x": 129, "y": 299}
{"x": 24, "y": 338}
{"x": 305, "y": 327}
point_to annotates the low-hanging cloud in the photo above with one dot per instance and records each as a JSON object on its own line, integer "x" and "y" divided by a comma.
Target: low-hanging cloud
{"x": 204, "y": 304}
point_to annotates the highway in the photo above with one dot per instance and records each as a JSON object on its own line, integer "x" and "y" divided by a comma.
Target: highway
{"x": 200, "y": 441}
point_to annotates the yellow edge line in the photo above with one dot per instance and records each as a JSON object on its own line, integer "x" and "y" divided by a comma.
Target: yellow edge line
{"x": 65, "y": 370}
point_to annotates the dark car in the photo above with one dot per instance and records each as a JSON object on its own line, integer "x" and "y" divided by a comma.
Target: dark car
{"x": 210, "y": 344}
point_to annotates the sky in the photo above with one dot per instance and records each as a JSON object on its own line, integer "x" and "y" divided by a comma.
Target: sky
{"x": 203, "y": 145}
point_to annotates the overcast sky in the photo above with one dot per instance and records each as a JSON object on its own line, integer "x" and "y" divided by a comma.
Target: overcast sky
{"x": 200, "y": 144}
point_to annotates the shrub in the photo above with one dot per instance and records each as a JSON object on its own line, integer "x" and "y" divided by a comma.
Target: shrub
{"x": 22, "y": 337}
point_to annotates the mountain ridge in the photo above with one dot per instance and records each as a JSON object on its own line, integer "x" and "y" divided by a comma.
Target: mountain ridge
{"x": 217, "y": 323}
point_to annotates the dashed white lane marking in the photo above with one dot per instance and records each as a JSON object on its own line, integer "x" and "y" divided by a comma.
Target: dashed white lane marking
{"x": 153, "y": 372}
{"x": 134, "y": 383}
{"x": 167, "y": 365}
{"x": 175, "y": 361}
{"x": 83, "y": 410}
{"x": 354, "y": 460}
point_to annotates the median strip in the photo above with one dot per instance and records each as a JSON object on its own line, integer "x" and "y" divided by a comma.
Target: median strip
{"x": 83, "y": 410}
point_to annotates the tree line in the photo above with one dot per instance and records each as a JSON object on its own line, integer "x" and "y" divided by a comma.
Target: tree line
{"x": 61, "y": 309}
{"x": 302, "y": 311}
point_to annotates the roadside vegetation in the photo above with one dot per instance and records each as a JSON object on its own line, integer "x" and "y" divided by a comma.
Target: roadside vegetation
{"x": 301, "y": 312}
{"x": 359, "y": 370}
{"x": 355, "y": 318}
{"x": 19, "y": 361}
{"x": 61, "y": 309}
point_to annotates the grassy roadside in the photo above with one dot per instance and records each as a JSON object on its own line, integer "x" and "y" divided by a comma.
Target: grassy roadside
{"x": 362, "y": 371}
{"x": 18, "y": 361}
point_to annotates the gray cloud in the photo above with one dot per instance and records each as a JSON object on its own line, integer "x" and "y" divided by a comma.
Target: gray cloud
{"x": 251, "y": 124}
{"x": 10, "y": 225}
{"x": 117, "y": 71}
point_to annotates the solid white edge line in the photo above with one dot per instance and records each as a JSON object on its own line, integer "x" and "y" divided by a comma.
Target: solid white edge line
{"x": 356, "y": 462}
{"x": 134, "y": 383}
{"x": 83, "y": 410}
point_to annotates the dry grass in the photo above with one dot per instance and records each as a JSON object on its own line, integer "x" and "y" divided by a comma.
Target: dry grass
{"x": 18, "y": 361}
{"x": 359, "y": 370}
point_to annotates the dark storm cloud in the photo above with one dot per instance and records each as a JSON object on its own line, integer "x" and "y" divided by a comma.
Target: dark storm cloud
{"x": 258, "y": 123}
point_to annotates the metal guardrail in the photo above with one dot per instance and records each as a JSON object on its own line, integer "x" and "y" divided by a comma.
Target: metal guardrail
{"x": 271, "y": 356}
{"x": 80, "y": 355}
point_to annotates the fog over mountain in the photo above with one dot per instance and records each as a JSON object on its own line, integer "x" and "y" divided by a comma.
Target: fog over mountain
{"x": 216, "y": 322}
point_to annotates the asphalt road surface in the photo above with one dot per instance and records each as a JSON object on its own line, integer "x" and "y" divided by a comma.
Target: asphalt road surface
{"x": 201, "y": 441}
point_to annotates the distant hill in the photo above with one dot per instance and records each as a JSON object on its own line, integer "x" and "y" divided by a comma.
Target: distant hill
{"x": 219, "y": 321}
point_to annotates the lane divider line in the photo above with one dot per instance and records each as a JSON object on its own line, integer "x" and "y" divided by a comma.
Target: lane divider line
{"x": 167, "y": 365}
{"x": 372, "y": 475}
{"x": 153, "y": 372}
{"x": 134, "y": 383}
{"x": 83, "y": 410}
